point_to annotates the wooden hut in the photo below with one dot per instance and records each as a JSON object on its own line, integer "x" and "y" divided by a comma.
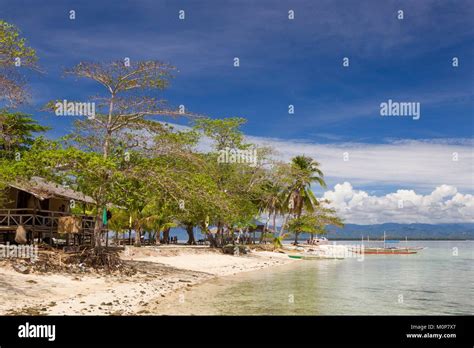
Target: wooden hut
{"x": 43, "y": 209}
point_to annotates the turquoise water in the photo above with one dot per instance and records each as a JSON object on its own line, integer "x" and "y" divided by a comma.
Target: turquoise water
{"x": 437, "y": 281}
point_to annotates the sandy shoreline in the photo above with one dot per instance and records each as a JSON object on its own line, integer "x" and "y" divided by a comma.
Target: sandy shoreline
{"x": 162, "y": 272}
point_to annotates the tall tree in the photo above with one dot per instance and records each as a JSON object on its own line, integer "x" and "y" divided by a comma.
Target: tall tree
{"x": 127, "y": 99}
{"x": 14, "y": 54}
{"x": 271, "y": 201}
{"x": 304, "y": 172}
{"x": 121, "y": 113}
{"x": 238, "y": 182}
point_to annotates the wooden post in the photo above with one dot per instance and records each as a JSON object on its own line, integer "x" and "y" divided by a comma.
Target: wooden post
{"x": 51, "y": 231}
{"x": 34, "y": 224}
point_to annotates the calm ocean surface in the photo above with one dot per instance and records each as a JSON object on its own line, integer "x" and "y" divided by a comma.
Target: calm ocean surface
{"x": 437, "y": 280}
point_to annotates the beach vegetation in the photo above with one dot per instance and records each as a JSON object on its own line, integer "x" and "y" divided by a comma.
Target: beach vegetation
{"x": 149, "y": 177}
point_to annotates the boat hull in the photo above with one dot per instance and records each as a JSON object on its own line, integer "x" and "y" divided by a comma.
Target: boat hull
{"x": 386, "y": 251}
{"x": 298, "y": 257}
{"x": 314, "y": 257}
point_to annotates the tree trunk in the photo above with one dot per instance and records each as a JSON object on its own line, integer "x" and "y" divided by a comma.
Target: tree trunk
{"x": 108, "y": 134}
{"x": 138, "y": 236}
{"x": 105, "y": 149}
{"x": 166, "y": 235}
{"x": 296, "y": 238}
{"x": 283, "y": 225}
{"x": 150, "y": 237}
{"x": 209, "y": 236}
{"x": 219, "y": 235}
{"x": 157, "y": 237}
{"x": 212, "y": 240}
{"x": 189, "y": 230}
{"x": 262, "y": 235}
{"x": 96, "y": 240}
{"x": 265, "y": 228}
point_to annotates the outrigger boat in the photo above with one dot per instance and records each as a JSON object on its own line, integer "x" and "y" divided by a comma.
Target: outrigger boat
{"x": 393, "y": 250}
{"x": 388, "y": 250}
{"x": 335, "y": 252}
{"x": 313, "y": 257}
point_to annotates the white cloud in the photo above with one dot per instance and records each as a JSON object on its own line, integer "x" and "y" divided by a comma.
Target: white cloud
{"x": 420, "y": 165}
{"x": 443, "y": 205}
{"x": 417, "y": 164}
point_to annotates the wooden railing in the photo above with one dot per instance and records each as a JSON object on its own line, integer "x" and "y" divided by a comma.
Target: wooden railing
{"x": 39, "y": 220}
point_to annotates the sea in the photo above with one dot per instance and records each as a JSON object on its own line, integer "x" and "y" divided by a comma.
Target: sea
{"x": 439, "y": 280}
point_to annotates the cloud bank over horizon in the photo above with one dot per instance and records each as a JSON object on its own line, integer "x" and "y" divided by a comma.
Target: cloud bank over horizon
{"x": 410, "y": 163}
{"x": 438, "y": 167}
{"x": 422, "y": 164}
{"x": 443, "y": 205}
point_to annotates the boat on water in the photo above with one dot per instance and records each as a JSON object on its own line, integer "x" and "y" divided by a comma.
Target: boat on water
{"x": 388, "y": 250}
{"x": 318, "y": 241}
{"x": 334, "y": 252}
{"x": 298, "y": 257}
{"x": 314, "y": 257}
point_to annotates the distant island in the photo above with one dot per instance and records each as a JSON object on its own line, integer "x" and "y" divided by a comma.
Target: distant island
{"x": 452, "y": 231}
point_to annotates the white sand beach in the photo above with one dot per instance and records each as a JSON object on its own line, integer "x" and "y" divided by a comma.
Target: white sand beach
{"x": 162, "y": 271}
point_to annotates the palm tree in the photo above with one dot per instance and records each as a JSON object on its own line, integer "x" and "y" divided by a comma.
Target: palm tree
{"x": 160, "y": 218}
{"x": 118, "y": 223}
{"x": 271, "y": 201}
{"x": 299, "y": 196}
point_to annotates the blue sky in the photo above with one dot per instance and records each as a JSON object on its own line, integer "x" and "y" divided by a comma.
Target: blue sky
{"x": 286, "y": 62}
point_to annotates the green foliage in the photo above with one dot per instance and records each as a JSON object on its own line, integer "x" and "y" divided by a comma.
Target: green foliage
{"x": 225, "y": 132}
{"x": 278, "y": 241}
{"x": 13, "y": 50}
{"x": 147, "y": 170}
{"x": 12, "y": 46}
{"x": 304, "y": 224}
{"x": 303, "y": 172}
{"x": 314, "y": 222}
{"x": 16, "y": 138}
{"x": 119, "y": 221}
{"x": 16, "y": 132}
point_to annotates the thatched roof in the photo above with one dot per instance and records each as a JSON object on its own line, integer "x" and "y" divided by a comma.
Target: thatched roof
{"x": 43, "y": 189}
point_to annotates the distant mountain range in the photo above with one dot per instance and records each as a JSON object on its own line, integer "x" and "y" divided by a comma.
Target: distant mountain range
{"x": 394, "y": 231}
{"x": 400, "y": 231}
